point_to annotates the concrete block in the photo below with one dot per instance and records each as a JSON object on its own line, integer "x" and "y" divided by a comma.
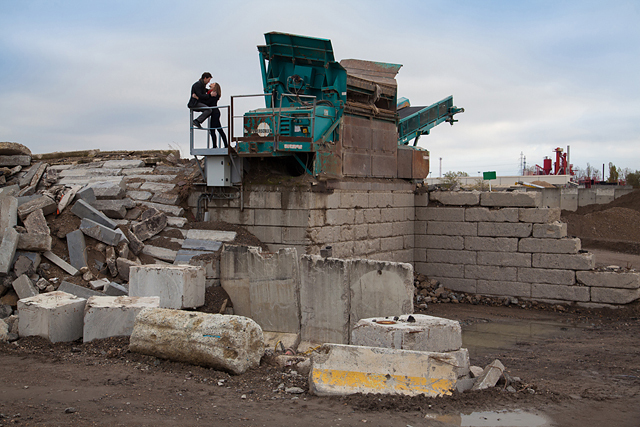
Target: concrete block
{"x": 15, "y": 160}
{"x": 24, "y": 287}
{"x": 160, "y": 253}
{"x": 98, "y": 284}
{"x": 86, "y": 194}
{"x": 451, "y": 257}
{"x": 609, "y": 279}
{"x": 457, "y": 284}
{"x": 344, "y": 369}
{"x": 555, "y": 230}
{"x": 423, "y": 333}
{"x": 114, "y": 208}
{"x": 442, "y": 214}
{"x": 8, "y": 250}
{"x": 456, "y": 198}
{"x": 504, "y": 259}
{"x": 168, "y": 209}
{"x": 517, "y": 199}
{"x": 124, "y": 265}
{"x": 539, "y": 215}
{"x": 324, "y": 300}
{"x": 166, "y": 198}
{"x": 560, "y": 292}
{"x": 207, "y": 260}
{"x": 34, "y": 242}
{"x": 139, "y": 195}
{"x": 149, "y": 227}
{"x": 56, "y": 316}
{"x": 490, "y": 272}
{"x": 201, "y": 245}
{"x": 503, "y": 288}
{"x": 99, "y": 232}
{"x": 111, "y": 316}
{"x": 489, "y": 376}
{"x": 541, "y": 275}
{"x": 493, "y": 244}
{"x": 23, "y": 265}
{"x": 229, "y": 343}
{"x": 491, "y": 215}
{"x": 214, "y": 235}
{"x": 439, "y": 242}
{"x": 178, "y": 286}
{"x": 581, "y": 261}
{"x": 35, "y": 223}
{"x": 123, "y": 164}
{"x": 452, "y": 228}
{"x": 109, "y": 189}
{"x": 550, "y": 246}
{"x": 614, "y": 296}
{"x": 79, "y": 291}
{"x": 77, "y": 249}
{"x": 84, "y": 210}
{"x": 46, "y": 203}
{"x": 173, "y": 221}
{"x": 443, "y": 270}
{"x": 116, "y": 289}
{"x": 157, "y": 187}
{"x": 8, "y": 213}
{"x": 499, "y": 229}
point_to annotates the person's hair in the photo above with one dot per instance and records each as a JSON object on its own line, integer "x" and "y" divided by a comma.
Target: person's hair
{"x": 206, "y": 75}
{"x": 216, "y": 87}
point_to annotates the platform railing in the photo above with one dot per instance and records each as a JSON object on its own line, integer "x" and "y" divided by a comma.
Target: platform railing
{"x": 212, "y": 147}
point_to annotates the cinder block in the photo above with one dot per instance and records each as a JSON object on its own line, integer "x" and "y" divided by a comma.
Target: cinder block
{"x": 491, "y": 215}
{"x": 457, "y": 284}
{"x": 614, "y": 296}
{"x": 451, "y": 257}
{"x": 109, "y": 316}
{"x": 609, "y": 279}
{"x": 456, "y": 198}
{"x": 442, "y": 214}
{"x": 84, "y": 210}
{"x": 490, "y": 272}
{"x": 178, "y": 286}
{"x": 555, "y": 230}
{"x": 560, "y": 292}
{"x": 423, "y": 333}
{"x": 452, "y": 228}
{"x": 539, "y": 215}
{"x": 504, "y": 259}
{"x": 443, "y": 270}
{"x": 341, "y": 370}
{"x": 499, "y": 229}
{"x": 581, "y": 261}
{"x": 516, "y": 199}
{"x": 514, "y": 289}
{"x": 540, "y": 275}
{"x": 393, "y": 215}
{"x": 56, "y": 316}
{"x": 24, "y": 287}
{"x": 493, "y": 244}
{"x": 555, "y": 246}
{"x": 432, "y": 241}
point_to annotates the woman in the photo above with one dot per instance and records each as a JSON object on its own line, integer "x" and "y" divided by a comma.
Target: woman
{"x": 215, "y": 93}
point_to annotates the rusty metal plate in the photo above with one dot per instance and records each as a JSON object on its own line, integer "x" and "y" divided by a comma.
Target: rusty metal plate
{"x": 384, "y": 136}
{"x": 384, "y": 165}
{"x": 355, "y": 164}
{"x": 412, "y": 163}
{"x": 356, "y": 133}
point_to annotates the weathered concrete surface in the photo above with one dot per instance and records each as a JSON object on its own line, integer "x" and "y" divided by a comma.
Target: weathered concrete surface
{"x": 178, "y": 286}
{"x": 454, "y": 198}
{"x": 7, "y": 250}
{"x": 8, "y": 213}
{"x": 115, "y": 290}
{"x": 79, "y": 291}
{"x": 84, "y": 210}
{"x": 324, "y": 300}
{"x": 77, "y": 249}
{"x": 61, "y": 263}
{"x": 230, "y": 343}
{"x": 46, "y": 203}
{"x": 214, "y": 235}
{"x": 343, "y": 369}
{"x": 34, "y": 242}
{"x": 149, "y": 227}
{"x": 56, "y": 316}
{"x": 24, "y": 287}
{"x": 609, "y": 279}
{"x": 36, "y": 223}
{"x": 417, "y": 332}
{"x": 113, "y": 316}
{"x": 511, "y": 199}
{"x": 99, "y": 232}
{"x": 273, "y": 340}
{"x": 489, "y": 376}
{"x": 160, "y": 253}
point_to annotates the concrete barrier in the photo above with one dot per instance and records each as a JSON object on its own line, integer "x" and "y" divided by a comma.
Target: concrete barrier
{"x": 178, "y": 286}
{"x": 56, "y": 316}
{"x": 111, "y": 316}
{"x": 230, "y": 343}
{"x": 344, "y": 369}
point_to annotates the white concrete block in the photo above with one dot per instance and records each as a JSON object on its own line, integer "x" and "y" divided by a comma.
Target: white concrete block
{"x": 424, "y": 333}
{"x": 110, "y": 316}
{"x": 345, "y": 369}
{"x": 214, "y": 235}
{"x": 56, "y": 316}
{"x": 178, "y": 286}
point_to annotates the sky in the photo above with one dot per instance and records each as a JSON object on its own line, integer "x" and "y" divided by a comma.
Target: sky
{"x": 531, "y": 75}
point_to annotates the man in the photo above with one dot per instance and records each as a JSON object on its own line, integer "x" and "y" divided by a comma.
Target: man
{"x": 199, "y": 98}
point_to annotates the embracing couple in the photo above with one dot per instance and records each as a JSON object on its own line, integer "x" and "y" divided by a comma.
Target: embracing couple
{"x": 205, "y": 94}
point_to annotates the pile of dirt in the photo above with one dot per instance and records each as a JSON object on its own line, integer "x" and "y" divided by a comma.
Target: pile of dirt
{"x": 613, "y": 226}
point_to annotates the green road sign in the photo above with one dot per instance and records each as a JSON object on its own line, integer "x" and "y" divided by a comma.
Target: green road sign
{"x": 489, "y": 175}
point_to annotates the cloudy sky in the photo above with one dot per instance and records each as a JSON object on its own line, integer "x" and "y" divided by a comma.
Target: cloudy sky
{"x": 531, "y": 75}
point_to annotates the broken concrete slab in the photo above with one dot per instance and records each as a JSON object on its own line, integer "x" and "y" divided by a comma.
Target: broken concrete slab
{"x": 135, "y": 244}
{"x": 229, "y": 343}
{"x": 24, "y": 287}
{"x": 8, "y": 213}
{"x": 98, "y": 284}
{"x": 213, "y": 235}
{"x": 338, "y": 370}
{"x": 78, "y": 291}
{"x": 157, "y": 187}
{"x": 160, "y": 253}
{"x": 67, "y": 197}
{"x": 61, "y": 263}
{"x": 113, "y": 316}
{"x": 111, "y": 208}
{"x": 77, "y": 249}
{"x": 34, "y": 242}
{"x": 36, "y": 223}
{"x": 178, "y": 286}
{"x": 174, "y": 221}
{"x": 165, "y": 198}
{"x": 113, "y": 189}
{"x": 116, "y": 289}
{"x": 9, "y": 190}
{"x": 56, "y": 316}
{"x": 609, "y": 279}
{"x": 110, "y": 259}
{"x": 13, "y": 148}
{"x": 169, "y": 209}
{"x": 123, "y": 164}
{"x": 86, "y": 194}
{"x": 16, "y": 160}
{"x": 489, "y": 376}
{"x": 201, "y": 245}
{"x": 417, "y": 332}
{"x": 139, "y": 195}
{"x": 34, "y": 257}
{"x": 150, "y": 226}
{"x": 23, "y": 265}
{"x": 8, "y": 250}
{"x": 100, "y": 232}
{"x": 84, "y": 210}
{"x": 46, "y": 203}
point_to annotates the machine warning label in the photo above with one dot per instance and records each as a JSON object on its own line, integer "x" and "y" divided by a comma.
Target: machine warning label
{"x": 264, "y": 129}
{"x": 293, "y": 146}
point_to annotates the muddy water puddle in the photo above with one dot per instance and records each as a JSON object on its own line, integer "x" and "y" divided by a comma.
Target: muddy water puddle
{"x": 492, "y": 418}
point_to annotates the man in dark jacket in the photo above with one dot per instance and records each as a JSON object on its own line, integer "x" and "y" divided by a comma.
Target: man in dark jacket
{"x": 199, "y": 98}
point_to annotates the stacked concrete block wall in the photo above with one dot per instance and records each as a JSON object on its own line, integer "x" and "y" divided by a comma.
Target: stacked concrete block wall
{"x": 503, "y": 244}
{"x": 357, "y": 219}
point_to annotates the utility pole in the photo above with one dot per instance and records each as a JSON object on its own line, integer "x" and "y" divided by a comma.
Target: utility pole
{"x": 521, "y": 167}
{"x": 441, "y": 167}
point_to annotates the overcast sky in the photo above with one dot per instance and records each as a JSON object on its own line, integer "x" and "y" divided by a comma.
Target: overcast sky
{"x": 531, "y": 75}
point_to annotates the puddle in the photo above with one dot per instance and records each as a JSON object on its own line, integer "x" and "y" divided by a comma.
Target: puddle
{"x": 482, "y": 335}
{"x": 491, "y": 418}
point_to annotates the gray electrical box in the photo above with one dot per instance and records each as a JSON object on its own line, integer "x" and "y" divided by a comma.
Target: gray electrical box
{"x": 218, "y": 171}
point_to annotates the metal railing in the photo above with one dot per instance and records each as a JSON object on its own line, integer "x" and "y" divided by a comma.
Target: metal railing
{"x": 209, "y": 130}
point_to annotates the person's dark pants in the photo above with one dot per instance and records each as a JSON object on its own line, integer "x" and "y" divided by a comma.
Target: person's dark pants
{"x": 205, "y": 113}
{"x": 214, "y": 124}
